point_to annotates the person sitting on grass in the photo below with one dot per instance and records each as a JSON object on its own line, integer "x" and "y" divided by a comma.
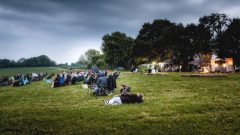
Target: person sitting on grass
{"x": 106, "y": 72}
{"x": 90, "y": 78}
{"x": 23, "y": 81}
{"x": 28, "y": 78}
{"x": 73, "y": 80}
{"x": 4, "y": 81}
{"x": 35, "y": 77}
{"x": 49, "y": 79}
{"x": 79, "y": 76}
{"x": 68, "y": 79}
{"x": 133, "y": 68}
{"x": 62, "y": 80}
{"x": 56, "y": 81}
{"x": 102, "y": 80}
{"x": 124, "y": 89}
{"x": 15, "y": 80}
{"x": 95, "y": 69}
{"x": 124, "y": 99}
{"x": 101, "y": 84}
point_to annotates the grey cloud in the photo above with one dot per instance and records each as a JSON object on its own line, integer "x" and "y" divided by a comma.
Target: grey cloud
{"x": 73, "y": 26}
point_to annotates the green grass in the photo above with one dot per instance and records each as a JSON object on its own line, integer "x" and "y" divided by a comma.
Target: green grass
{"x": 15, "y": 71}
{"x": 173, "y": 105}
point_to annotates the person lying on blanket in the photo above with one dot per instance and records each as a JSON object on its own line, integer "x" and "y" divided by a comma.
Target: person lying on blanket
{"x": 124, "y": 98}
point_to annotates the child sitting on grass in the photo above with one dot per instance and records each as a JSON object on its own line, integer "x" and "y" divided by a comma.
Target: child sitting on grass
{"x": 124, "y": 89}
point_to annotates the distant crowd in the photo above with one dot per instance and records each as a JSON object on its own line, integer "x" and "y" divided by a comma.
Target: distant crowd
{"x": 101, "y": 82}
{"x": 21, "y": 79}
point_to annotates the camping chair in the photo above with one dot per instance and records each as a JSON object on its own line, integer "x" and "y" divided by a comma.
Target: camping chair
{"x": 90, "y": 80}
{"x": 111, "y": 81}
{"x": 102, "y": 87}
{"x": 100, "y": 91}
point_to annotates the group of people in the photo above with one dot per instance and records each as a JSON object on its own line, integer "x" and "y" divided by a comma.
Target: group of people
{"x": 93, "y": 78}
{"x": 101, "y": 82}
{"x": 20, "y": 79}
{"x": 66, "y": 78}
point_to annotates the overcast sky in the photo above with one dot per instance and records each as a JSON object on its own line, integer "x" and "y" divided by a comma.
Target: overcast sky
{"x": 65, "y": 29}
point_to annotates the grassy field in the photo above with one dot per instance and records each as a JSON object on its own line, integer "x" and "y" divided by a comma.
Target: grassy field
{"x": 173, "y": 105}
{"x": 15, "y": 71}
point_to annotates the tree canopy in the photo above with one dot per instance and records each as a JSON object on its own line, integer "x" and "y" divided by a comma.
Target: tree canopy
{"x": 229, "y": 42}
{"x": 154, "y": 41}
{"x": 163, "y": 39}
{"x": 91, "y": 58}
{"x": 117, "y": 48}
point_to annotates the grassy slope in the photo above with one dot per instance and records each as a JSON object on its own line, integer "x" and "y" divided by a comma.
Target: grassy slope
{"x": 15, "y": 71}
{"x": 173, "y": 105}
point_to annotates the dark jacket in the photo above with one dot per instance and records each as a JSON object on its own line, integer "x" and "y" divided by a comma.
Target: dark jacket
{"x": 130, "y": 98}
{"x": 102, "y": 82}
{"x": 111, "y": 83}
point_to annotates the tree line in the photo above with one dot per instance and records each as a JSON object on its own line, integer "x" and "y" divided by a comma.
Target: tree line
{"x": 39, "y": 61}
{"x": 163, "y": 39}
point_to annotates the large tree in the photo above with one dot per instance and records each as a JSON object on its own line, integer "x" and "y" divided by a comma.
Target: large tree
{"x": 82, "y": 60}
{"x": 230, "y": 42}
{"x": 182, "y": 49}
{"x": 45, "y": 61}
{"x": 153, "y": 41}
{"x": 216, "y": 23}
{"x": 117, "y": 48}
{"x": 98, "y": 60}
{"x": 90, "y": 58}
{"x": 200, "y": 40}
{"x": 89, "y": 54}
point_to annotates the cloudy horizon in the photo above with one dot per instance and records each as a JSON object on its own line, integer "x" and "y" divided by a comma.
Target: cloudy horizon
{"x": 64, "y": 29}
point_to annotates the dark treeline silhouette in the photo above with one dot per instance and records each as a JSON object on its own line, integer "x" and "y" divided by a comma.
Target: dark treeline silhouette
{"x": 39, "y": 61}
{"x": 162, "y": 39}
